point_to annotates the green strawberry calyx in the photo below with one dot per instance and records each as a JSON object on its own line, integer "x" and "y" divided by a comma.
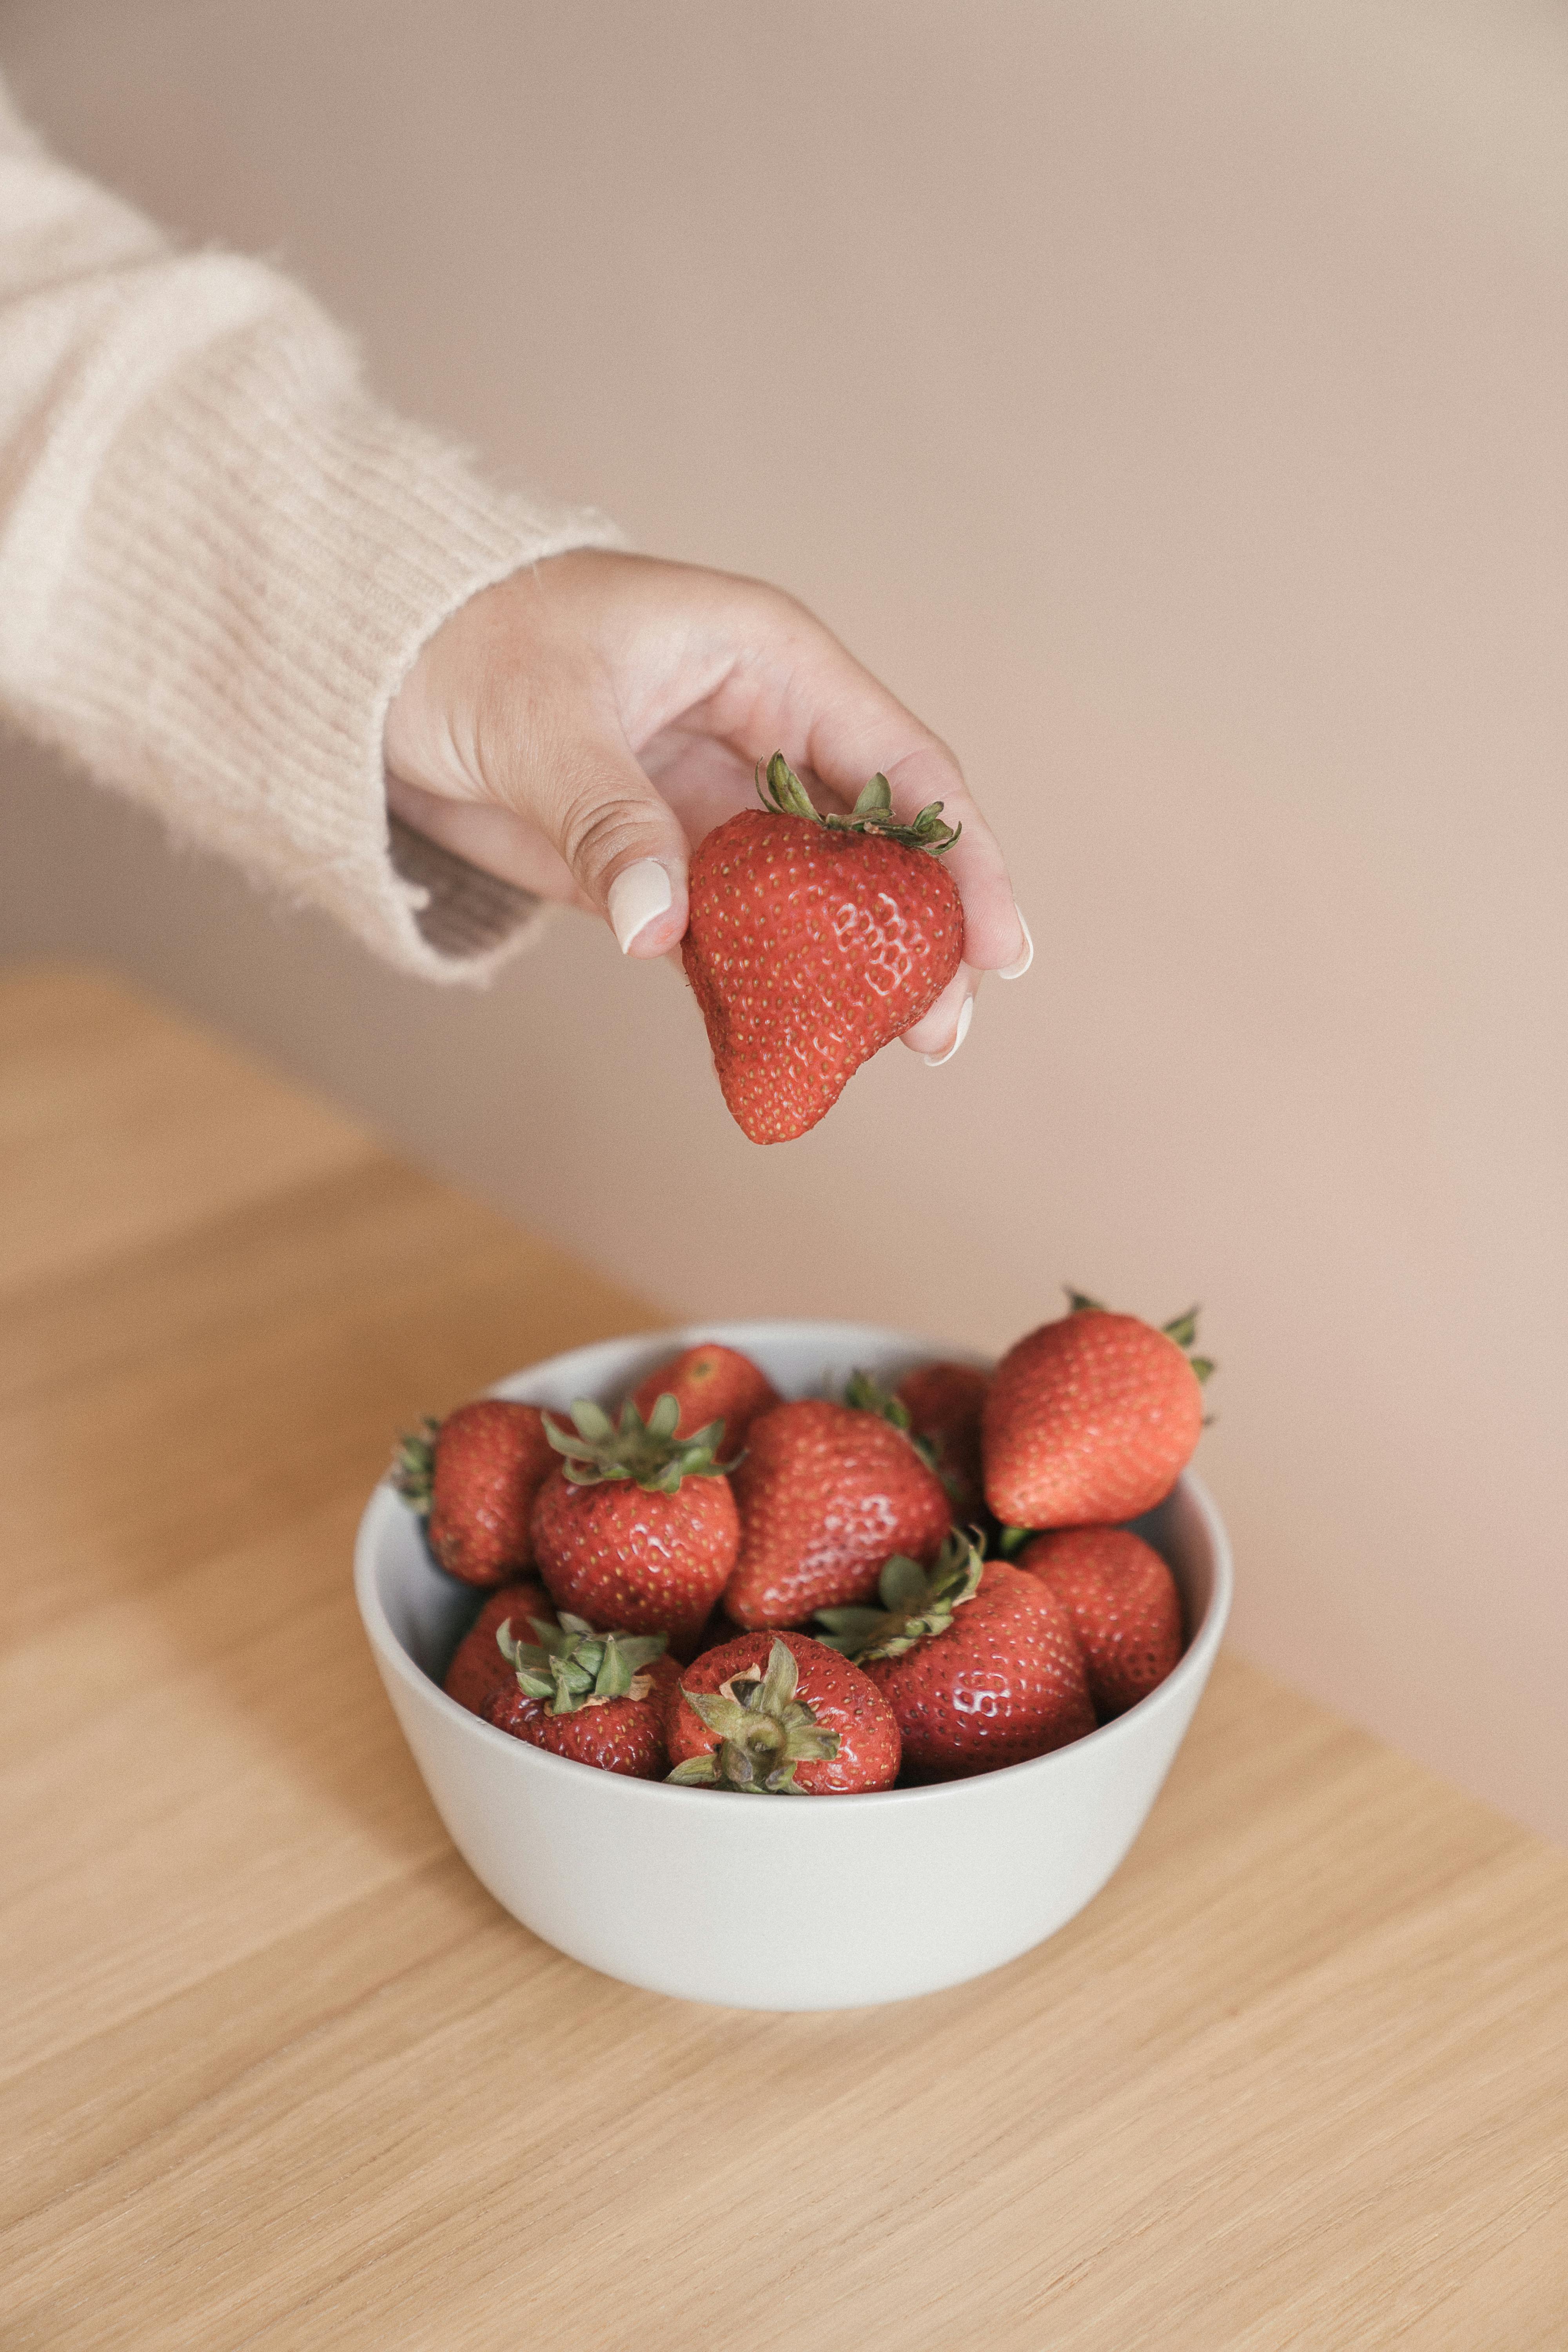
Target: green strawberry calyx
{"x": 765, "y": 1731}
{"x": 918, "y": 1603}
{"x": 570, "y": 1667}
{"x": 648, "y": 1453}
{"x": 785, "y": 795}
{"x": 412, "y": 1472}
{"x": 863, "y": 1392}
{"x": 1182, "y": 1328}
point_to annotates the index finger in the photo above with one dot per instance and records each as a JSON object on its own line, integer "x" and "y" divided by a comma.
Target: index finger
{"x": 855, "y": 727}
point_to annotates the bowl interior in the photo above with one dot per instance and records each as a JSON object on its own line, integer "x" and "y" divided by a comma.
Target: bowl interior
{"x": 429, "y": 1613}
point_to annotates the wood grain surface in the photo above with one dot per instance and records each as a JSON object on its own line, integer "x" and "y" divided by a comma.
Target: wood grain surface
{"x": 275, "y": 2071}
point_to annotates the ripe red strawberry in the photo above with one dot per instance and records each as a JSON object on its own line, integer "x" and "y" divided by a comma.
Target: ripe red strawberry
{"x": 478, "y": 1669}
{"x": 1123, "y": 1603}
{"x": 978, "y": 1675}
{"x": 1092, "y": 1418}
{"x": 778, "y": 1715}
{"x": 827, "y": 1493}
{"x": 600, "y": 1698}
{"x": 943, "y": 1402}
{"x": 711, "y": 1383}
{"x": 812, "y": 941}
{"x": 472, "y": 1478}
{"x": 637, "y": 1529}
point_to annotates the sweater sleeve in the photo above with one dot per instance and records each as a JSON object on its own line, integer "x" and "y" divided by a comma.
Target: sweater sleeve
{"x": 219, "y": 557}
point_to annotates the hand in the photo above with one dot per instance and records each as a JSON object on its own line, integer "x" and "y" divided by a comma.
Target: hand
{"x": 579, "y": 727}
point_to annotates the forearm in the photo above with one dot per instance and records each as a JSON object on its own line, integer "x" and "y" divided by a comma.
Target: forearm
{"x": 218, "y": 557}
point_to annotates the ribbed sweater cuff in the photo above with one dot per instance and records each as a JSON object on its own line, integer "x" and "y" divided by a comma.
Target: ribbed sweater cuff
{"x": 224, "y": 621}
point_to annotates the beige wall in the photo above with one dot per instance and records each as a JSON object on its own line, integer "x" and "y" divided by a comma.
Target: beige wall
{"x": 1170, "y": 400}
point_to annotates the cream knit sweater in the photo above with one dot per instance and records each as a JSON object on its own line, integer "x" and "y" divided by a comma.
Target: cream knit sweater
{"x": 218, "y": 558}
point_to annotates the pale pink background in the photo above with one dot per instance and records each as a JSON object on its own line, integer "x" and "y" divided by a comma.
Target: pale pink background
{"x": 1170, "y": 400}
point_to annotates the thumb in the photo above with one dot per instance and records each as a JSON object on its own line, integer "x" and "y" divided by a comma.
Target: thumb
{"x": 622, "y": 841}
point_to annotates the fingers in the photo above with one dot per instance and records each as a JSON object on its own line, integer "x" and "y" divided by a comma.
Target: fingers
{"x": 940, "y": 1033}
{"x": 852, "y": 727}
{"x": 800, "y": 688}
{"x": 592, "y": 834}
{"x": 920, "y": 770}
{"x": 516, "y": 728}
{"x": 994, "y": 933}
{"x": 495, "y": 839}
{"x": 504, "y": 742}
{"x": 549, "y": 747}
{"x": 620, "y": 841}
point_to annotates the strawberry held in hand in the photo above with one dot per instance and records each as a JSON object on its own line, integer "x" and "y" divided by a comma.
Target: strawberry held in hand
{"x": 978, "y": 1675}
{"x": 779, "y": 1715}
{"x": 827, "y": 1493}
{"x": 812, "y": 941}
{"x": 710, "y": 1383}
{"x": 598, "y": 1698}
{"x": 1123, "y": 1603}
{"x": 637, "y": 1527}
{"x": 1092, "y": 1418}
{"x": 472, "y": 1478}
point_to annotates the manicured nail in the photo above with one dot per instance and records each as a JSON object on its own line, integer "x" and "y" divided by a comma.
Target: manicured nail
{"x": 1016, "y": 971}
{"x": 935, "y": 1060}
{"x": 638, "y": 897}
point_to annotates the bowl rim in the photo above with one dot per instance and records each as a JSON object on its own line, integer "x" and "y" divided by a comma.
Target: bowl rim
{"x": 1193, "y": 1665}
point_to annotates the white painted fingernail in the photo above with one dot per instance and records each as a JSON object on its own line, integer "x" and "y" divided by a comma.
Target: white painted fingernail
{"x": 935, "y": 1060}
{"x": 637, "y": 897}
{"x": 1016, "y": 971}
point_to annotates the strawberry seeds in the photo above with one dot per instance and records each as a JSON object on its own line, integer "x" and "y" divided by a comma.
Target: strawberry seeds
{"x": 896, "y": 1588}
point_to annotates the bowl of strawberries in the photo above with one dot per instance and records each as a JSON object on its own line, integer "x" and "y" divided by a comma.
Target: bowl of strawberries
{"x": 965, "y": 1611}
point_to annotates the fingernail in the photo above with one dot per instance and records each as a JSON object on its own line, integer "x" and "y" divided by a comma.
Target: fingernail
{"x": 1016, "y": 971}
{"x": 935, "y": 1060}
{"x": 638, "y": 896}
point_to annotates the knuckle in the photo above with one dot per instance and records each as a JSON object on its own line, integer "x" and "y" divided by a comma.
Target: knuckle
{"x": 600, "y": 824}
{"x": 924, "y": 763}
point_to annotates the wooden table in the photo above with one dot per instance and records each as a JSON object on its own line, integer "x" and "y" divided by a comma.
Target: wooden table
{"x": 276, "y": 2072}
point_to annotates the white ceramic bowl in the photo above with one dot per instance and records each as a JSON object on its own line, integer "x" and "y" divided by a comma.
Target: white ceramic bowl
{"x": 826, "y": 1903}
